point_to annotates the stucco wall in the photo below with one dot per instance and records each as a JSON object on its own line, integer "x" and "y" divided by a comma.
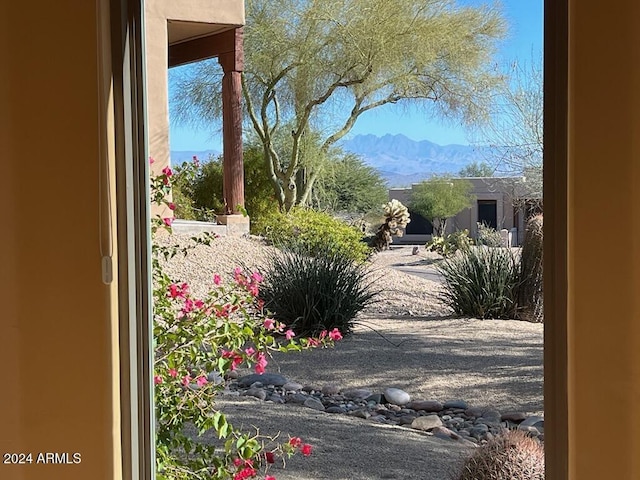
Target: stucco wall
{"x": 59, "y": 383}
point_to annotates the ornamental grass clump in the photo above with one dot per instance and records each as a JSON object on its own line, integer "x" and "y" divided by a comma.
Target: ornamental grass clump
{"x": 312, "y": 294}
{"x": 482, "y": 282}
{"x": 512, "y": 455}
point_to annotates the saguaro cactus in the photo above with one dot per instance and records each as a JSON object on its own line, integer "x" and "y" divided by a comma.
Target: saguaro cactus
{"x": 531, "y": 294}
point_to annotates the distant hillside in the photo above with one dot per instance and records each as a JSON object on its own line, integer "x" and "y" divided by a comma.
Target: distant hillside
{"x": 400, "y": 160}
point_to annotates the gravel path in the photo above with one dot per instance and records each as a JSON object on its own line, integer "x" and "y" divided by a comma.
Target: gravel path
{"x": 409, "y": 341}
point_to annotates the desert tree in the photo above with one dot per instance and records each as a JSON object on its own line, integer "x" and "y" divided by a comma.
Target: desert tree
{"x": 440, "y": 198}
{"x": 512, "y": 140}
{"x": 317, "y": 66}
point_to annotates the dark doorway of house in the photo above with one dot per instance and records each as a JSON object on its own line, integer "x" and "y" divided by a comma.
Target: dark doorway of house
{"x": 419, "y": 225}
{"x": 488, "y": 213}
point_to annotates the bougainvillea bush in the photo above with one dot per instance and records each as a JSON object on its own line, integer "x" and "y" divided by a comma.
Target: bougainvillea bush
{"x": 198, "y": 341}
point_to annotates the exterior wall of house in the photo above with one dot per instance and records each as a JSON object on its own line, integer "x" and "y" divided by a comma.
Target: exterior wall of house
{"x": 220, "y": 14}
{"x": 59, "y": 343}
{"x": 501, "y": 190}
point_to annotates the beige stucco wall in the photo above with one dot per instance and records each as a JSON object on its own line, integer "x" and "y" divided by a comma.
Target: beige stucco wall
{"x": 219, "y": 13}
{"x": 58, "y": 321}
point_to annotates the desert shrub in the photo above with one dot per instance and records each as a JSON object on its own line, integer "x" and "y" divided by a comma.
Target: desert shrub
{"x": 512, "y": 455}
{"x": 482, "y": 282}
{"x": 315, "y": 232}
{"x": 449, "y": 245}
{"x": 315, "y": 293}
{"x": 531, "y": 292}
{"x": 396, "y": 217}
{"x": 488, "y": 236}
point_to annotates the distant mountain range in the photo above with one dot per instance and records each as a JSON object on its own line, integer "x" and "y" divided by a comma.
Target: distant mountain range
{"x": 400, "y": 160}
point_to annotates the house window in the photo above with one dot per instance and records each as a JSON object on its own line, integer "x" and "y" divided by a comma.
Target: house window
{"x": 488, "y": 213}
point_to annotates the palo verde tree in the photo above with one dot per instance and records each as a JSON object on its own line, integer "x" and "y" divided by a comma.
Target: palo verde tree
{"x": 477, "y": 169}
{"x": 439, "y": 199}
{"x": 317, "y": 66}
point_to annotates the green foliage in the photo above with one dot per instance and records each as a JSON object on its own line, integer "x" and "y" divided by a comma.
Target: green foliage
{"x": 439, "y": 199}
{"x": 482, "y": 282}
{"x": 316, "y": 293}
{"x": 197, "y": 342}
{"x": 531, "y": 260}
{"x": 320, "y": 65}
{"x": 350, "y": 186}
{"x": 477, "y": 169}
{"x": 512, "y": 455}
{"x": 449, "y": 245}
{"x": 315, "y": 232}
{"x": 488, "y": 236}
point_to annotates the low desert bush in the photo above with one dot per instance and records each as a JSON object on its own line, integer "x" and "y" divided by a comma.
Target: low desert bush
{"x": 511, "y": 455}
{"x": 482, "y": 282}
{"x": 488, "y": 236}
{"x": 531, "y": 292}
{"x": 311, "y": 294}
{"x": 315, "y": 232}
{"x": 449, "y": 245}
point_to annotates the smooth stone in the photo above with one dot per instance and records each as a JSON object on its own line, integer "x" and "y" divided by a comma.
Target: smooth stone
{"x": 292, "y": 386}
{"x": 379, "y": 419}
{"x": 473, "y": 412}
{"x": 427, "y": 422}
{"x": 425, "y": 405}
{"x": 232, "y": 374}
{"x": 308, "y": 388}
{"x": 335, "y": 409}
{"x": 533, "y": 421}
{"x": 396, "y": 396}
{"x": 266, "y": 379}
{"x": 478, "y": 431}
{"x": 376, "y": 398}
{"x": 296, "y": 398}
{"x": 360, "y": 413}
{"x": 515, "y": 417}
{"x": 356, "y": 394}
{"x": 275, "y": 398}
{"x": 314, "y": 403}
{"x": 533, "y": 431}
{"x": 256, "y": 385}
{"x": 257, "y": 393}
{"x": 330, "y": 389}
{"x": 492, "y": 416}
{"x": 215, "y": 378}
{"x": 457, "y": 404}
{"x": 406, "y": 419}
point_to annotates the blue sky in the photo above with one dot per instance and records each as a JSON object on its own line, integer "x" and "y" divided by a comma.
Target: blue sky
{"x": 524, "y": 38}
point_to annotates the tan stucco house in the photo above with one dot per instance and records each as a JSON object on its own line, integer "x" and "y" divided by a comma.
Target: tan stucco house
{"x": 499, "y": 202}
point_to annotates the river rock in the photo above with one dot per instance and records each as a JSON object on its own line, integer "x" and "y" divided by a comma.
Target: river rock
{"x": 426, "y": 422}
{"x": 266, "y": 379}
{"x": 425, "y": 405}
{"x": 314, "y": 403}
{"x": 397, "y": 396}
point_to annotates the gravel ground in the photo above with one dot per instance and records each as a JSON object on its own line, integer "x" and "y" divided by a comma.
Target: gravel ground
{"x": 408, "y": 341}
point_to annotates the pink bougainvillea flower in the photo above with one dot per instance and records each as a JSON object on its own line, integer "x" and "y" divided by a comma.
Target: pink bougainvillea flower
{"x": 253, "y": 289}
{"x": 217, "y": 280}
{"x": 237, "y": 462}
{"x": 167, "y": 221}
{"x": 196, "y": 161}
{"x": 270, "y": 457}
{"x": 177, "y": 291}
{"x": 312, "y": 342}
{"x": 186, "y": 380}
{"x": 306, "y": 449}
{"x": 335, "y": 335}
{"x": 249, "y": 351}
{"x": 261, "y": 363}
{"x": 269, "y": 477}
{"x": 245, "y": 473}
{"x": 256, "y": 277}
{"x": 173, "y": 372}
{"x": 157, "y": 379}
{"x": 295, "y": 442}
{"x": 269, "y": 324}
{"x": 323, "y": 334}
{"x": 289, "y": 334}
{"x": 167, "y": 171}
{"x": 171, "y": 205}
{"x": 201, "y": 380}
{"x": 198, "y": 303}
{"x": 260, "y": 304}
{"x": 151, "y": 160}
